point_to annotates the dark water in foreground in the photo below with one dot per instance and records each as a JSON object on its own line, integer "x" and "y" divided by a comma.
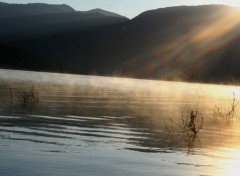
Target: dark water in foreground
{"x": 89, "y": 125}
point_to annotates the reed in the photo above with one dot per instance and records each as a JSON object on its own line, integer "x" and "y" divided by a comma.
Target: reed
{"x": 228, "y": 113}
{"x": 185, "y": 130}
{"x": 28, "y": 96}
{"x": 188, "y": 124}
{"x": 10, "y": 113}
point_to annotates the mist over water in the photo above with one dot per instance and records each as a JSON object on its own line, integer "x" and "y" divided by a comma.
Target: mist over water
{"x": 91, "y": 125}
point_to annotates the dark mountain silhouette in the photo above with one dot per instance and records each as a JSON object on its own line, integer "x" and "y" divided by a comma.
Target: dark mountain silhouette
{"x": 41, "y": 19}
{"x": 199, "y": 43}
{"x": 54, "y": 23}
{"x": 103, "y": 12}
{"x": 17, "y": 10}
{"x": 15, "y": 58}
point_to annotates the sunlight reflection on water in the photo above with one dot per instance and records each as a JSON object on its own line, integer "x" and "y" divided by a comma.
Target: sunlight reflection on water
{"x": 104, "y": 126}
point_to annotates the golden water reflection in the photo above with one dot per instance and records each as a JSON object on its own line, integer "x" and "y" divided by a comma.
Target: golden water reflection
{"x": 228, "y": 162}
{"x": 127, "y": 115}
{"x": 224, "y": 154}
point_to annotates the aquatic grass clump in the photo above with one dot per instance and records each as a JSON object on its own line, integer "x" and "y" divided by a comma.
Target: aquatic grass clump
{"x": 28, "y": 96}
{"x": 188, "y": 124}
{"x": 228, "y": 113}
{"x": 188, "y": 127}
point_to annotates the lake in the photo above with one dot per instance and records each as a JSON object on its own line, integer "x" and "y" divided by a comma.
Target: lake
{"x": 92, "y": 125}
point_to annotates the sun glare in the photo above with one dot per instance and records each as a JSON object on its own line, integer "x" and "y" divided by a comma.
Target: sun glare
{"x": 219, "y": 29}
{"x": 215, "y": 35}
{"x": 231, "y": 166}
{"x": 193, "y": 43}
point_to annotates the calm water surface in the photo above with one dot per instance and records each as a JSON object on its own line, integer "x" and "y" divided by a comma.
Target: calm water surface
{"x": 90, "y": 125}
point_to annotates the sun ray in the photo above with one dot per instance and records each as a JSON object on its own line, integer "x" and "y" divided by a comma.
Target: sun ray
{"x": 189, "y": 47}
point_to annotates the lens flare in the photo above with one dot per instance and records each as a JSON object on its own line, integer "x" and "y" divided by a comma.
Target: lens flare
{"x": 187, "y": 47}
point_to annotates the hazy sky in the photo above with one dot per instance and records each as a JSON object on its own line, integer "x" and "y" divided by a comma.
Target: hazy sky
{"x": 129, "y": 8}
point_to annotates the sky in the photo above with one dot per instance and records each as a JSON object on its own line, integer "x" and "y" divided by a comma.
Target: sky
{"x": 128, "y": 8}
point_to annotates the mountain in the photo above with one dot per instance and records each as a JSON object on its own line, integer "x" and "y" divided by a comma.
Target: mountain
{"x": 197, "y": 43}
{"x": 54, "y": 23}
{"x": 103, "y": 12}
{"x": 190, "y": 43}
{"x": 18, "y": 10}
{"x": 42, "y": 19}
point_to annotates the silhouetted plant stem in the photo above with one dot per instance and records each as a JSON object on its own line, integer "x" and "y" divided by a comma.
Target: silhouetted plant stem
{"x": 11, "y": 102}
